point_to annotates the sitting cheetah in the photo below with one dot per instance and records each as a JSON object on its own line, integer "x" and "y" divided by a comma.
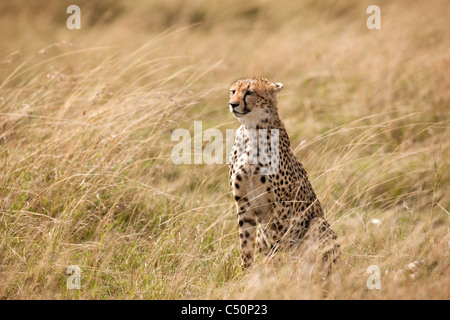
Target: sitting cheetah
{"x": 277, "y": 207}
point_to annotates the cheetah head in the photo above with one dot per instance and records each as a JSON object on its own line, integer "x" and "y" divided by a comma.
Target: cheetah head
{"x": 252, "y": 100}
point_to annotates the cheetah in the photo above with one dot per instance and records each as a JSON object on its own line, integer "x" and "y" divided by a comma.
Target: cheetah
{"x": 276, "y": 204}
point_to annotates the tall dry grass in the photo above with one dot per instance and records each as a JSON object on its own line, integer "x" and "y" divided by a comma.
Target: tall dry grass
{"x": 86, "y": 119}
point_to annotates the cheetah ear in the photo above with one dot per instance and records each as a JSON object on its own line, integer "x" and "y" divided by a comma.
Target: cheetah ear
{"x": 278, "y": 86}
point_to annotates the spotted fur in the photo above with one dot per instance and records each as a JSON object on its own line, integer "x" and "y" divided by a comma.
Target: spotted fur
{"x": 280, "y": 209}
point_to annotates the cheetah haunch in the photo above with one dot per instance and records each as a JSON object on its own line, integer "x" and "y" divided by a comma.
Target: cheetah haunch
{"x": 277, "y": 207}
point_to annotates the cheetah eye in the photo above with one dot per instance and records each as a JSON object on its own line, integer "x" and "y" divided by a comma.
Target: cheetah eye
{"x": 250, "y": 92}
{"x": 233, "y": 91}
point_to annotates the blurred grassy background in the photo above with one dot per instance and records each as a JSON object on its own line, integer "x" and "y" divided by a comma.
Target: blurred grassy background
{"x": 86, "y": 118}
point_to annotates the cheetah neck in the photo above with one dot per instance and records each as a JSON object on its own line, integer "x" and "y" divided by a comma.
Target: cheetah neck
{"x": 267, "y": 121}
{"x": 273, "y": 121}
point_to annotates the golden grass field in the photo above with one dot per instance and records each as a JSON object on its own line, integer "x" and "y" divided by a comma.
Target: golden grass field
{"x": 86, "y": 117}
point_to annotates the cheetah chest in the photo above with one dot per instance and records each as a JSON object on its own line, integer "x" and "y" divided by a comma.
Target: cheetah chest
{"x": 249, "y": 182}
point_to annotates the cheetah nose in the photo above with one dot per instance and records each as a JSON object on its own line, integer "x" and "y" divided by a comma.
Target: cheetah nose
{"x": 234, "y": 105}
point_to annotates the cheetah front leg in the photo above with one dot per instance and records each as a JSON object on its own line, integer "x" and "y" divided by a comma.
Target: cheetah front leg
{"x": 272, "y": 230}
{"x": 247, "y": 230}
